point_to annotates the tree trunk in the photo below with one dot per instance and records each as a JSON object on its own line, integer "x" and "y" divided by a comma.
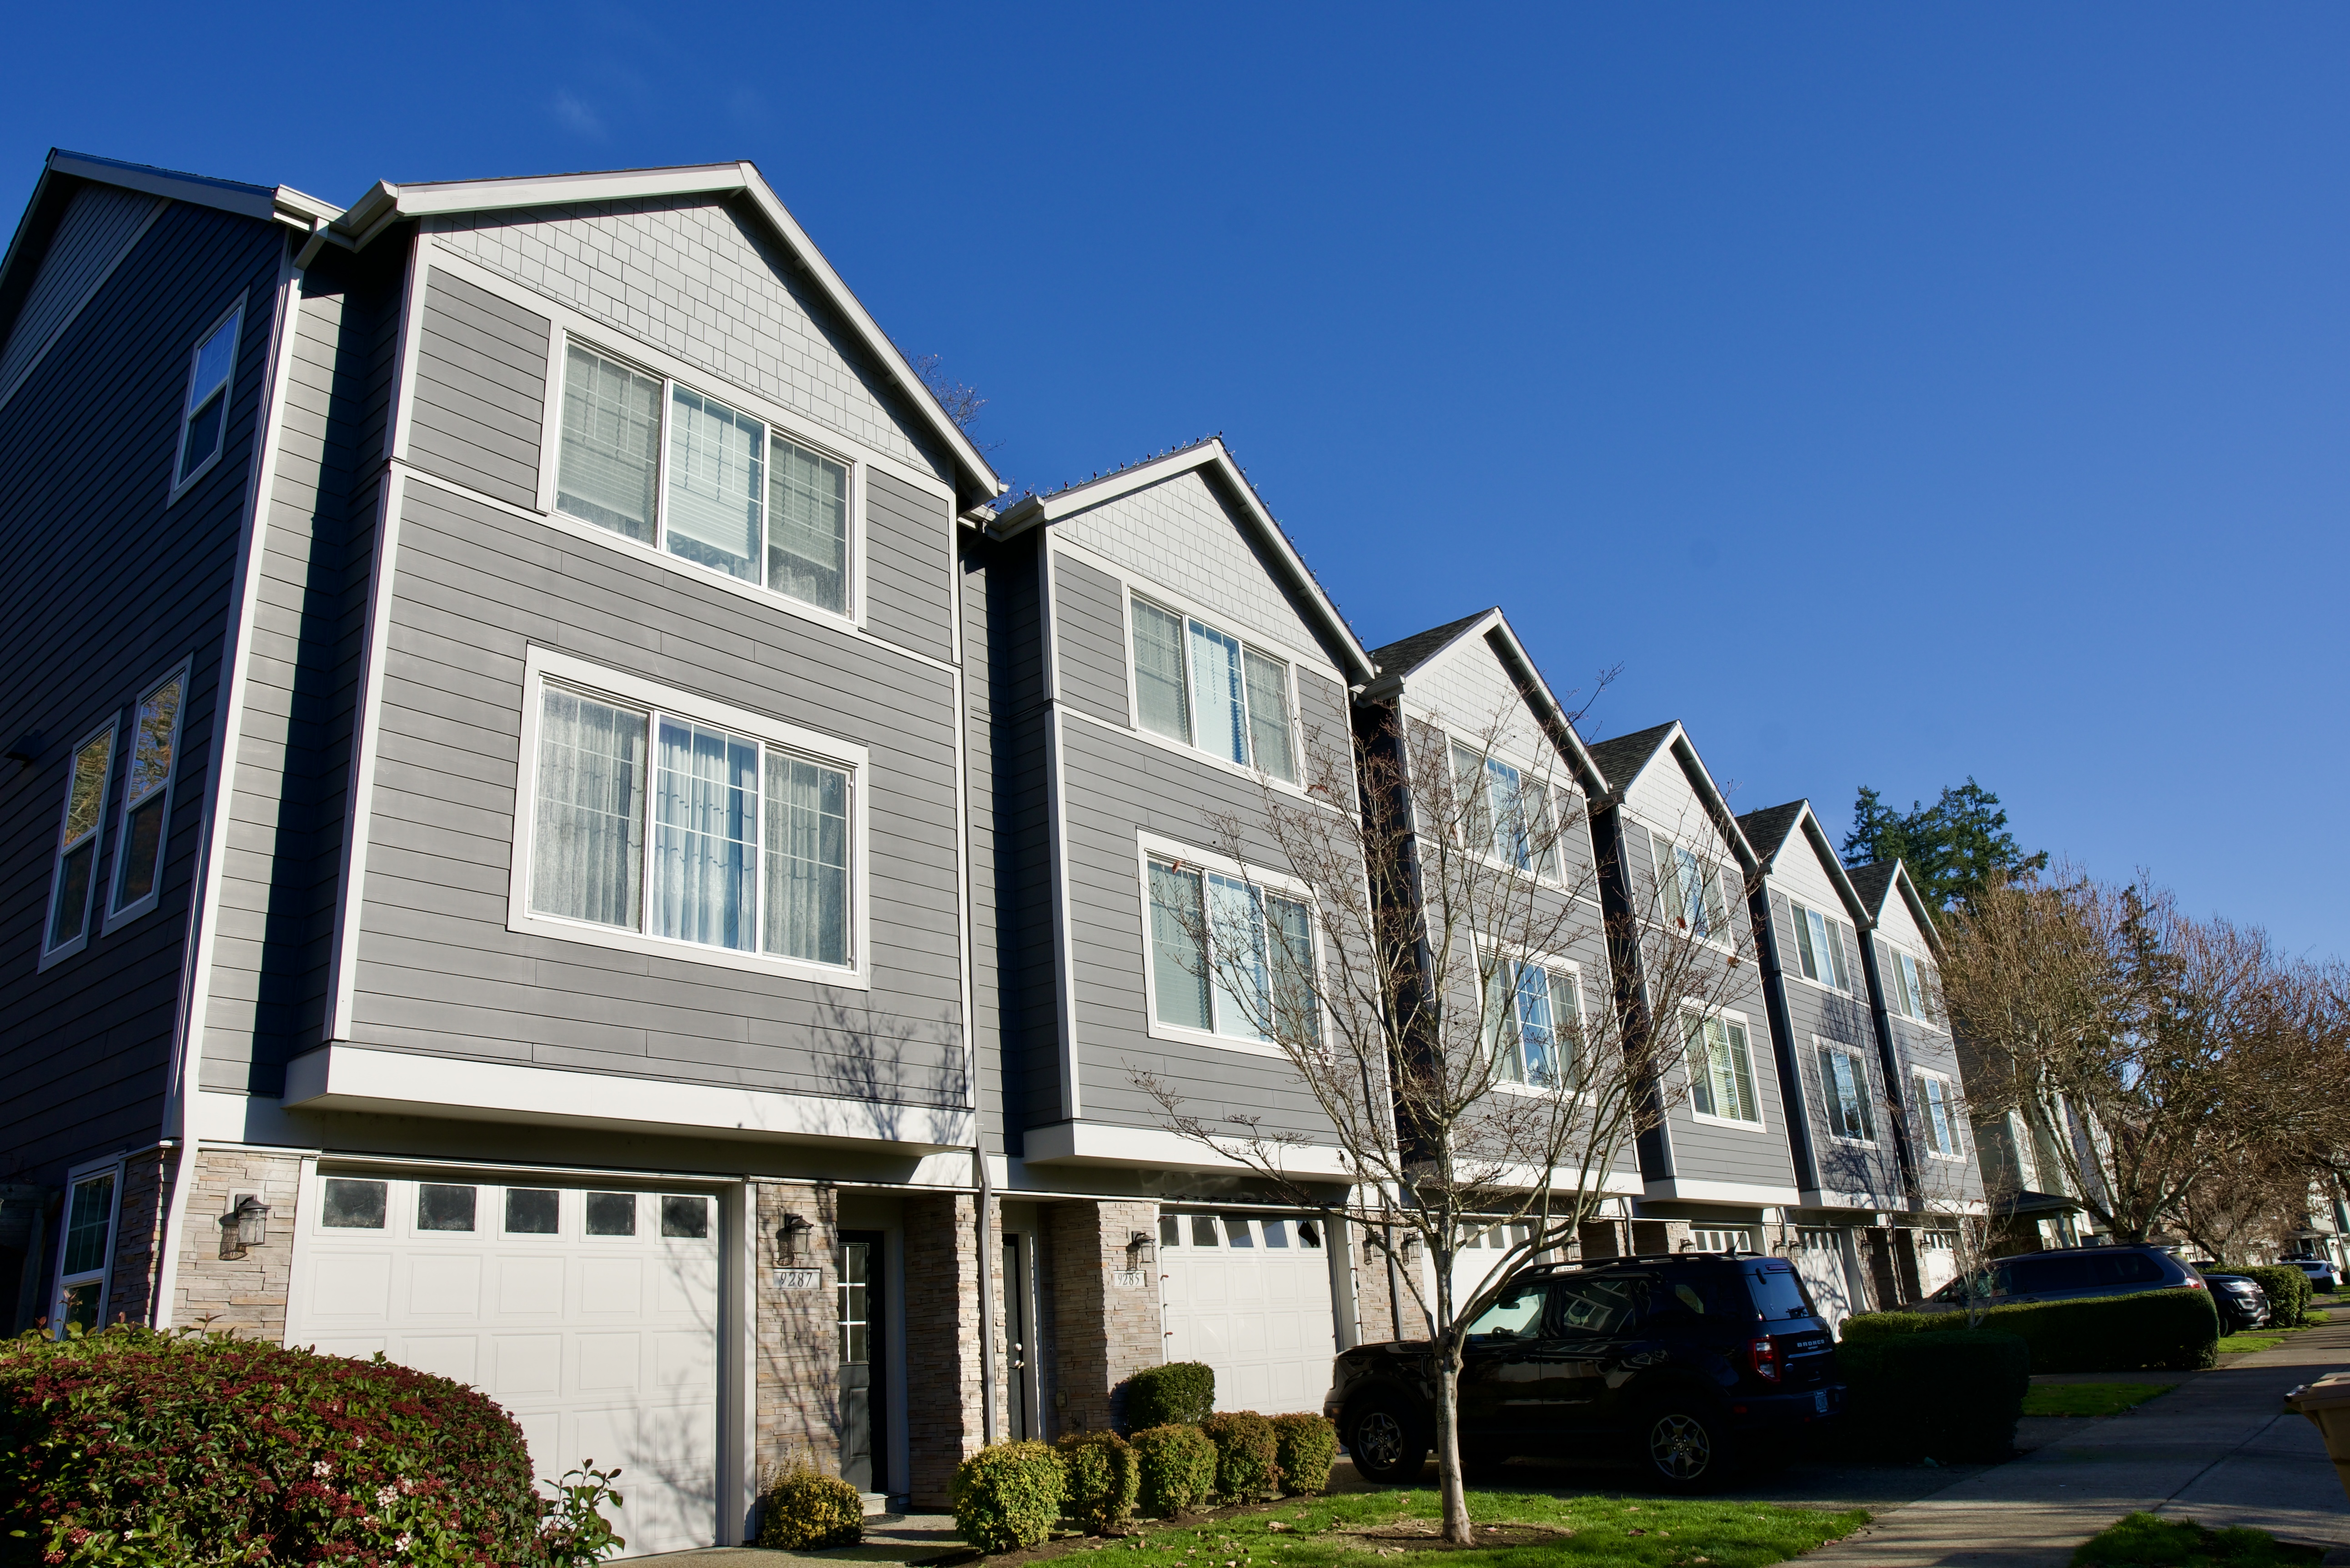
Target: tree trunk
{"x": 1457, "y": 1528}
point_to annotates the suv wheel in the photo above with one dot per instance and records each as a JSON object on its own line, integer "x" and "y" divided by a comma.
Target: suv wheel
{"x": 1386, "y": 1439}
{"x": 1683, "y": 1446}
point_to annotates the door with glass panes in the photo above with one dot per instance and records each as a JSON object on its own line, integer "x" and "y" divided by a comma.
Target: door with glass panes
{"x": 864, "y": 1440}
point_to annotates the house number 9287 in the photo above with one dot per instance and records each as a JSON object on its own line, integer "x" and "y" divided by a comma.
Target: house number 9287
{"x": 797, "y": 1280}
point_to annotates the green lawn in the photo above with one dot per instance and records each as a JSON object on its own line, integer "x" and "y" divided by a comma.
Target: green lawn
{"x": 2232, "y": 1342}
{"x": 2090, "y": 1399}
{"x": 1592, "y": 1532}
{"x": 2142, "y": 1540}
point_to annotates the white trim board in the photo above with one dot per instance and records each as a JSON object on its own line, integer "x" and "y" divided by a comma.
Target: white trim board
{"x": 1687, "y": 1191}
{"x": 348, "y": 1078}
{"x": 1153, "y": 1148}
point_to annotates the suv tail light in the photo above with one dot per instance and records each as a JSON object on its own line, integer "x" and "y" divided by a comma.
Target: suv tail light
{"x": 1762, "y": 1356}
{"x": 2195, "y": 1282}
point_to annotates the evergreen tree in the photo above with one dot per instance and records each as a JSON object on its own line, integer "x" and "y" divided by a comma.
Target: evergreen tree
{"x": 1954, "y": 848}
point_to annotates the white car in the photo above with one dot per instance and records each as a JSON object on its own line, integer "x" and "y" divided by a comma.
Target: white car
{"x": 2323, "y": 1274}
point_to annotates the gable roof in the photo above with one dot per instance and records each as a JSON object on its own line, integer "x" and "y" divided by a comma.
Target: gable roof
{"x": 1775, "y": 827}
{"x": 385, "y": 205}
{"x": 1627, "y": 757}
{"x": 1210, "y": 457}
{"x": 1875, "y": 882}
{"x": 1399, "y": 659}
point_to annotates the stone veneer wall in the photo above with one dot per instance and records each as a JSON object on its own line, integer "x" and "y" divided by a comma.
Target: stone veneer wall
{"x": 1103, "y": 1332}
{"x": 798, "y": 1332}
{"x": 139, "y": 1235}
{"x": 1373, "y": 1304}
{"x": 943, "y": 1389}
{"x": 247, "y": 1294}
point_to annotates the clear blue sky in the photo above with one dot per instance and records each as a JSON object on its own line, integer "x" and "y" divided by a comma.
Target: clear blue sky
{"x": 1898, "y": 393}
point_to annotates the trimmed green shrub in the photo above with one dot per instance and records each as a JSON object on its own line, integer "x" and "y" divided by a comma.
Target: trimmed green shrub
{"x": 1308, "y": 1446}
{"x": 2288, "y": 1292}
{"x": 1247, "y": 1470}
{"x": 1008, "y": 1496}
{"x": 1102, "y": 1477}
{"x": 1945, "y": 1397}
{"x": 1179, "y": 1393}
{"x": 1176, "y": 1467}
{"x": 2174, "y": 1329}
{"x": 133, "y": 1445}
{"x": 803, "y": 1507}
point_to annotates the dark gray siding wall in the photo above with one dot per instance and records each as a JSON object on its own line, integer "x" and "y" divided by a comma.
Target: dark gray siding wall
{"x": 1019, "y": 724}
{"x": 98, "y": 227}
{"x": 1914, "y": 1046}
{"x": 1701, "y": 1151}
{"x": 481, "y": 389}
{"x": 1114, "y": 784}
{"x": 107, "y": 590}
{"x": 1089, "y": 632}
{"x": 273, "y": 952}
{"x": 978, "y": 565}
{"x": 1816, "y": 1011}
{"x": 909, "y": 565}
{"x": 438, "y": 970}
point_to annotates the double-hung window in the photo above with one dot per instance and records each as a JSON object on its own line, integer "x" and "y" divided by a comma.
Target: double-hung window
{"x": 1720, "y": 1068}
{"x": 1201, "y": 685}
{"x": 88, "y": 1251}
{"x": 1690, "y": 890}
{"x": 725, "y": 490}
{"x": 1533, "y": 1021}
{"x": 668, "y": 826}
{"x": 1937, "y": 1114}
{"x": 1229, "y": 959}
{"x": 1844, "y": 1086}
{"x": 1906, "y": 980}
{"x": 203, "y": 415}
{"x": 147, "y": 796}
{"x": 1824, "y": 945}
{"x": 1505, "y": 812}
{"x": 73, "y": 882}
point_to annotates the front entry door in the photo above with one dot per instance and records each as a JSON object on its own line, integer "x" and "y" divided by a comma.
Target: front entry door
{"x": 1016, "y": 1342}
{"x": 864, "y": 1445}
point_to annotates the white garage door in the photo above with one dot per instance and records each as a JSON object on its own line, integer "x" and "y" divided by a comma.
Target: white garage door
{"x": 591, "y": 1315}
{"x": 1820, "y": 1263}
{"x": 1479, "y": 1259}
{"x": 1251, "y": 1297}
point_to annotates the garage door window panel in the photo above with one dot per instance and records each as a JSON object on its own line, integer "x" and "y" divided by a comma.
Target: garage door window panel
{"x": 534, "y": 1212}
{"x": 441, "y": 1207}
{"x": 347, "y": 1204}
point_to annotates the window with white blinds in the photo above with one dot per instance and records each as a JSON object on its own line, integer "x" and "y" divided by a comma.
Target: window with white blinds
{"x": 1721, "y": 1069}
{"x": 1198, "y": 685}
{"x": 1827, "y": 950}
{"x": 1843, "y": 1088}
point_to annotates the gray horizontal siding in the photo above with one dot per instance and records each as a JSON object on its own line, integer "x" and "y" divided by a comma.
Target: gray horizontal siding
{"x": 1914, "y": 1046}
{"x": 1324, "y": 719}
{"x": 909, "y": 565}
{"x": 98, "y": 228}
{"x": 987, "y": 1012}
{"x": 1089, "y": 637}
{"x": 87, "y": 447}
{"x": 1816, "y": 1012}
{"x": 438, "y": 970}
{"x": 480, "y": 396}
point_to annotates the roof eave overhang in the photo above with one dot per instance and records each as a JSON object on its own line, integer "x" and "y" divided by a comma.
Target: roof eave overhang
{"x": 1710, "y": 796}
{"x": 1504, "y": 640}
{"x": 1863, "y": 916}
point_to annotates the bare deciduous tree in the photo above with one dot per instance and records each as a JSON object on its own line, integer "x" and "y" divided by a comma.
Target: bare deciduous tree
{"x": 1420, "y": 939}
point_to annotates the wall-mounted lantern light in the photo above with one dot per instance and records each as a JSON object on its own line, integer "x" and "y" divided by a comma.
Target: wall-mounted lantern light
{"x": 1138, "y": 1250}
{"x": 792, "y": 1241}
{"x": 244, "y": 1226}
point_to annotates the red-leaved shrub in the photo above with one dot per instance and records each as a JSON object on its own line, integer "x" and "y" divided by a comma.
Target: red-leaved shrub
{"x": 131, "y": 1445}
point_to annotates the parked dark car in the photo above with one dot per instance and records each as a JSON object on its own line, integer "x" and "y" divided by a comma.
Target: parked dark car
{"x": 1681, "y": 1365}
{"x": 2241, "y": 1301}
{"x": 2323, "y": 1274}
{"x": 2067, "y": 1273}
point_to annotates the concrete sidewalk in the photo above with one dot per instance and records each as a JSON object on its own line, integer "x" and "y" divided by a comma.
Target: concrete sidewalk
{"x": 2218, "y": 1450}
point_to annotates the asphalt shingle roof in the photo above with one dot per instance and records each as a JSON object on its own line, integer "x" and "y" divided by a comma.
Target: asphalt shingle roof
{"x": 1621, "y": 758}
{"x": 1767, "y": 829}
{"x": 1407, "y": 654}
{"x": 1873, "y": 881}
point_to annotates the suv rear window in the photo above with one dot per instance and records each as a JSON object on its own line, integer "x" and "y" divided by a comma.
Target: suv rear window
{"x": 1777, "y": 1293}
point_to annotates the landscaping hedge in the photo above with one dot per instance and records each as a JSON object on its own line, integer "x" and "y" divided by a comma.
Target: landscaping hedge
{"x": 1176, "y": 1468}
{"x": 1007, "y": 1496}
{"x": 134, "y": 1446}
{"x": 1177, "y": 1394}
{"x": 2288, "y": 1291}
{"x": 1308, "y": 1447}
{"x": 802, "y": 1508}
{"x": 1245, "y": 1451}
{"x": 1103, "y": 1478}
{"x": 1941, "y": 1396}
{"x": 2172, "y": 1329}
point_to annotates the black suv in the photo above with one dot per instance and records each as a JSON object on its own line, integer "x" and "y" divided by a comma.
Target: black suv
{"x": 1678, "y": 1363}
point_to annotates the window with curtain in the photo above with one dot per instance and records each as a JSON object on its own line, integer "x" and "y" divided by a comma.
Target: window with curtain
{"x": 1935, "y": 1115}
{"x": 1260, "y": 981}
{"x": 147, "y": 794}
{"x": 204, "y": 422}
{"x": 1720, "y": 1069}
{"x": 1844, "y": 1085}
{"x": 1198, "y": 685}
{"x": 1507, "y": 813}
{"x": 717, "y": 485}
{"x": 76, "y": 871}
{"x": 1534, "y": 1024}
{"x": 662, "y": 825}
{"x": 1823, "y": 947}
{"x": 1689, "y": 889}
{"x": 807, "y": 526}
{"x": 610, "y": 464}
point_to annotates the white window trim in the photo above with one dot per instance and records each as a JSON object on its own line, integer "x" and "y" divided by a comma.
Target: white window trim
{"x": 1176, "y": 606}
{"x": 101, "y": 872}
{"x": 1761, "y": 1122}
{"x": 1794, "y": 966}
{"x": 59, "y": 1280}
{"x": 1706, "y": 862}
{"x": 672, "y": 377}
{"x": 1558, "y": 785}
{"x": 1150, "y": 846}
{"x": 179, "y": 486}
{"x": 1895, "y": 951}
{"x": 124, "y": 914}
{"x": 539, "y": 666}
{"x": 1950, "y": 1117}
{"x": 1821, "y": 1043}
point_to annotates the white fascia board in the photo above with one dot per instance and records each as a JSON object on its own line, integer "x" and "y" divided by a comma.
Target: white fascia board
{"x": 1919, "y": 915}
{"x": 1611, "y": 1184}
{"x": 1821, "y": 1197}
{"x": 1594, "y": 781}
{"x": 221, "y": 195}
{"x": 1155, "y": 1149}
{"x": 1701, "y": 779}
{"x": 432, "y": 198}
{"x": 397, "y": 1083}
{"x": 1681, "y": 1191}
{"x": 1390, "y": 681}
